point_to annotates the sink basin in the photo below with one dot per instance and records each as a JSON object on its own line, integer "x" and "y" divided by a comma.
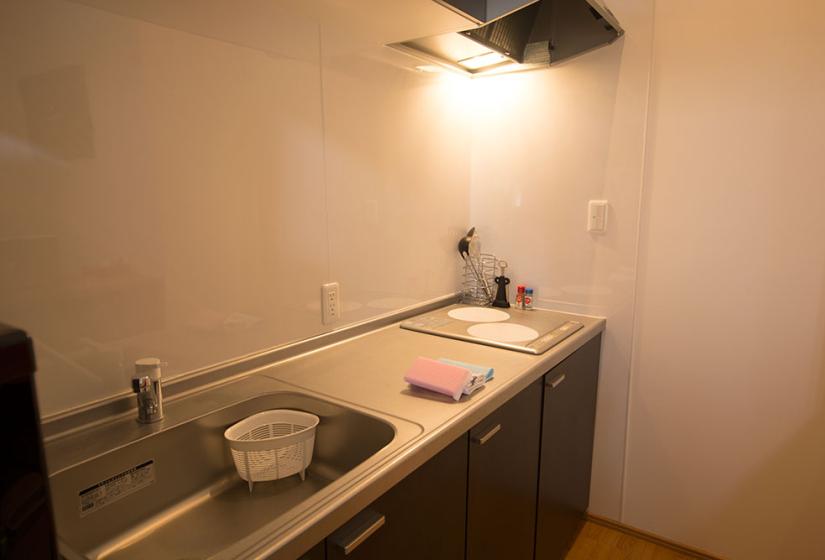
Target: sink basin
{"x": 172, "y": 491}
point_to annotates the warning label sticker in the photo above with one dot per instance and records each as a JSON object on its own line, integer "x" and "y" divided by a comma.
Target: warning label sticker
{"x": 119, "y": 486}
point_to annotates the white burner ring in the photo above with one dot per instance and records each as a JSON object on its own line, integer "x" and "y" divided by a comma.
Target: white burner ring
{"x": 503, "y": 332}
{"x": 478, "y": 314}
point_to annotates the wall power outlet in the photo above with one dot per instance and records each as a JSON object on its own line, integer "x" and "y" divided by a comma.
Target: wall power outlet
{"x": 330, "y": 303}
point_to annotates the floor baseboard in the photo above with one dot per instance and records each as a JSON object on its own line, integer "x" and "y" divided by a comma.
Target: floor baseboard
{"x": 655, "y": 539}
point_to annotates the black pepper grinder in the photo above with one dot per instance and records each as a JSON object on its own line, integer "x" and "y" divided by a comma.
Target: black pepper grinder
{"x": 501, "y": 292}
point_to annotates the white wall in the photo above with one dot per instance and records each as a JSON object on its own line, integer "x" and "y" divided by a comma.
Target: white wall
{"x": 727, "y": 415}
{"x": 178, "y": 179}
{"x": 544, "y": 144}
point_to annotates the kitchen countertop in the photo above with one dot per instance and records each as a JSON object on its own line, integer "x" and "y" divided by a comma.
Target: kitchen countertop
{"x": 367, "y": 371}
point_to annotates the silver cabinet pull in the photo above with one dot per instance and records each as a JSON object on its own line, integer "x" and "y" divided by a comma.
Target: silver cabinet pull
{"x": 488, "y": 436}
{"x": 557, "y": 381}
{"x": 358, "y": 530}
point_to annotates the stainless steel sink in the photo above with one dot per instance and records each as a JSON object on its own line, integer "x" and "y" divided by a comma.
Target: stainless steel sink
{"x": 130, "y": 491}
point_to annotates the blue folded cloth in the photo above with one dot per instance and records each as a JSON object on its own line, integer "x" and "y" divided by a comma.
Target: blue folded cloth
{"x": 480, "y": 374}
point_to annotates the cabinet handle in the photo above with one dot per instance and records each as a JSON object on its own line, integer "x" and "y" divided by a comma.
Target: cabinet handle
{"x": 557, "y": 381}
{"x": 488, "y": 436}
{"x": 363, "y": 526}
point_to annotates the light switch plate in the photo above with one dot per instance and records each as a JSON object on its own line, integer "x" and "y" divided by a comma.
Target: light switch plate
{"x": 597, "y": 216}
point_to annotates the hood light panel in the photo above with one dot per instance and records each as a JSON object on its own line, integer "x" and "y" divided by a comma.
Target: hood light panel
{"x": 483, "y": 60}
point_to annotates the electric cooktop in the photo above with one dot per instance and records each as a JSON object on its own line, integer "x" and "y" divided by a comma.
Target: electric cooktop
{"x": 533, "y": 331}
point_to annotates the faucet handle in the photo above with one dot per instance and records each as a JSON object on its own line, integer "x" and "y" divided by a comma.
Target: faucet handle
{"x": 147, "y": 384}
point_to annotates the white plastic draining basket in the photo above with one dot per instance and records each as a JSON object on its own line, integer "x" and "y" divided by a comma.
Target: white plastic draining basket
{"x": 272, "y": 444}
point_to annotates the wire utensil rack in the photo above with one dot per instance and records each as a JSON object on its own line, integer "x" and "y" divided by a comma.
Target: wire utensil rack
{"x": 472, "y": 287}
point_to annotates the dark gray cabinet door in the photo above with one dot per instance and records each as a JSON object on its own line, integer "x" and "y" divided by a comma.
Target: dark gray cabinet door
{"x": 317, "y": 552}
{"x": 503, "y": 479}
{"x": 566, "y": 450}
{"x": 421, "y": 517}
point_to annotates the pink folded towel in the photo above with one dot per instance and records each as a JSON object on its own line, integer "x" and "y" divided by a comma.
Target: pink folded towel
{"x": 439, "y": 377}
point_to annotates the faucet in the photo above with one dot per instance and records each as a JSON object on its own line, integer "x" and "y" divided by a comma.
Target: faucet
{"x": 146, "y": 383}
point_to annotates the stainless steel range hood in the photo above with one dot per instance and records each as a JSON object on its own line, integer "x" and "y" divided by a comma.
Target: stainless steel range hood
{"x": 516, "y": 35}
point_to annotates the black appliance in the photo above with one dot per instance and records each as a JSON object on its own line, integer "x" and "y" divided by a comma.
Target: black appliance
{"x": 26, "y": 519}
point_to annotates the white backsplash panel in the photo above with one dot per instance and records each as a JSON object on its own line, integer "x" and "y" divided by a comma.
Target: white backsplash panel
{"x": 179, "y": 180}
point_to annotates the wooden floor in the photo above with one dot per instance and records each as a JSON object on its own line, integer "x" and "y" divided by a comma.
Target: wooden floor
{"x": 597, "y": 542}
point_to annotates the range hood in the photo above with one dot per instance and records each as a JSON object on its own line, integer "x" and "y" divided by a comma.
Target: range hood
{"x": 513, "y": 35}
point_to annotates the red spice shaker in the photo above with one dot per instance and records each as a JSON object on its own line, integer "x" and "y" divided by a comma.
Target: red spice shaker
{"x": 520, "y": 297}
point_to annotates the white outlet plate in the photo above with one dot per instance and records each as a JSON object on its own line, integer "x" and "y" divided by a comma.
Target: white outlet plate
{"x": 330, "y": 303}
